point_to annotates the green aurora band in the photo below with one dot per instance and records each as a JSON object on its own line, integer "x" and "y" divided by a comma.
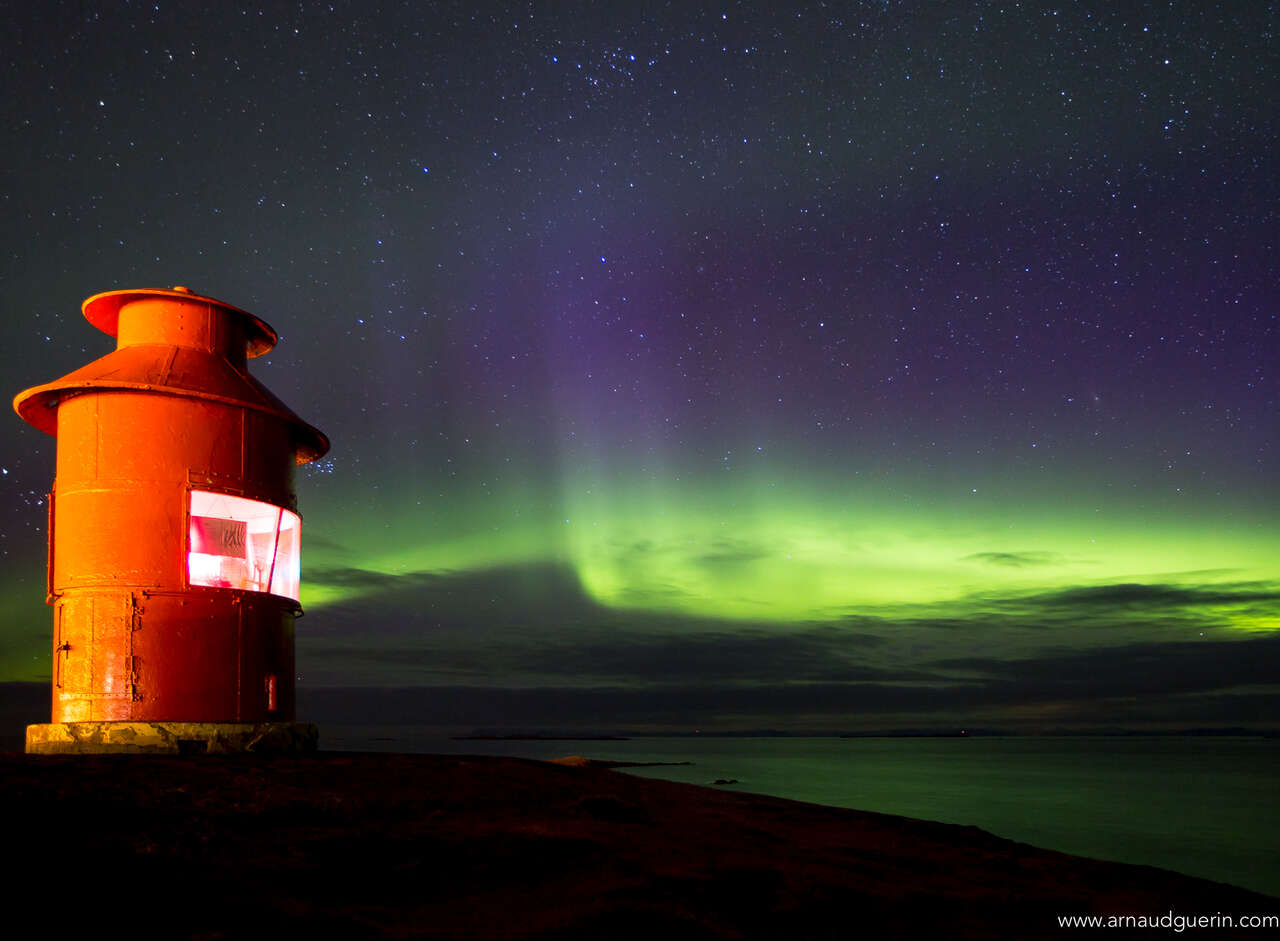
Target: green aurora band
{"x": 755, "y": 552}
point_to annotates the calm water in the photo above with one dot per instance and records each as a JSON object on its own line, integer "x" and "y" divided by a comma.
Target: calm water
{"x": 1205, "y": 806}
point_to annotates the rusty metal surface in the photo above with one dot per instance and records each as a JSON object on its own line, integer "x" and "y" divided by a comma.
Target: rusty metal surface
{"x": 172, "y": 410}
{"x": 103, "y": 311}
{"x": 174, "y": 344}
{"x": 199, "y": 655}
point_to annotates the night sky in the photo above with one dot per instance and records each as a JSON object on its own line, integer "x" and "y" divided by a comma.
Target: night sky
{"x": 797, "y": 366}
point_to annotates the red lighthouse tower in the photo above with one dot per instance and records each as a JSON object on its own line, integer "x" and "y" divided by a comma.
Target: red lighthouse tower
{"x": 174, "y": 536}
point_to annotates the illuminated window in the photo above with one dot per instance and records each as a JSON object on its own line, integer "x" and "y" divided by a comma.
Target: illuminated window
{"x": 246, "y": 544}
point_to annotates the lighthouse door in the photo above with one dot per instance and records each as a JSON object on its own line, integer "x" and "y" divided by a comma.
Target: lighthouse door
{"x": 92, "y": 655}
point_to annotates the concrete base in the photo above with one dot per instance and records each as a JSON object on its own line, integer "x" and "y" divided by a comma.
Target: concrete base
{"x": 171, "y": 738}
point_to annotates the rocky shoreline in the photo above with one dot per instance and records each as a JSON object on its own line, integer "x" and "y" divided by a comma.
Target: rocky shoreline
{"x": 408, "y": 846}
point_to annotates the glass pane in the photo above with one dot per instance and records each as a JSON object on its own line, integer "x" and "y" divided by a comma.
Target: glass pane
{"x": 246, "y": 544}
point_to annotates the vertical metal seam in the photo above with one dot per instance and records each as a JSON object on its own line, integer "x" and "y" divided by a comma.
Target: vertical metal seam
{"x": 131, "y": 665}
{"x": 167, "y": 368}
{"x": 97, "y": 437}
{"x": 50, "y": 581}
{"x": 57, "y": 647}
{"x": 240, "y": 663}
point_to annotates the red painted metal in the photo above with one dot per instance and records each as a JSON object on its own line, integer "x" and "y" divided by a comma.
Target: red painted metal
{"x": 171, "y": 410}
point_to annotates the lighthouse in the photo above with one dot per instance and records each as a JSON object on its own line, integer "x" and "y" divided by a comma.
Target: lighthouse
{"x": 174, "y": 535}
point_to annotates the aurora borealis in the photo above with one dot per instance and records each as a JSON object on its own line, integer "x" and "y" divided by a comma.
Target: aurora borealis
{"x": 846, "y": 366}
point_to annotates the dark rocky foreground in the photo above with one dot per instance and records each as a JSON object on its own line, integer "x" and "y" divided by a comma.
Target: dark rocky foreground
{"x": 407, "y": 846}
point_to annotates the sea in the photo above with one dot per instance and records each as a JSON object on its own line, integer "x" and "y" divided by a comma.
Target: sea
{"x": 1208, "y": 806}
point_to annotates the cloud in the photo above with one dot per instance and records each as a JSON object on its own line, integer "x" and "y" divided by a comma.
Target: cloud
{"x": 361, "y": 578}
{"x": 1080, "y": 653}
{"x": 830, "y": 706}
{"x": 318, "y": 540}
{"x": 1014, "y": 559}
{"x": 1130, "y": 670}
{"x": 389, "y": 604}
{"x": 679, "y": 705}
{"x": 1160, "y": 595}
{"x": 635, "y": 660}
{"x": 1133, "y": 611}
{"x": 717, "y": 657}
{"x": 728, "y": 552}
{"x": 537, "y": 624}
